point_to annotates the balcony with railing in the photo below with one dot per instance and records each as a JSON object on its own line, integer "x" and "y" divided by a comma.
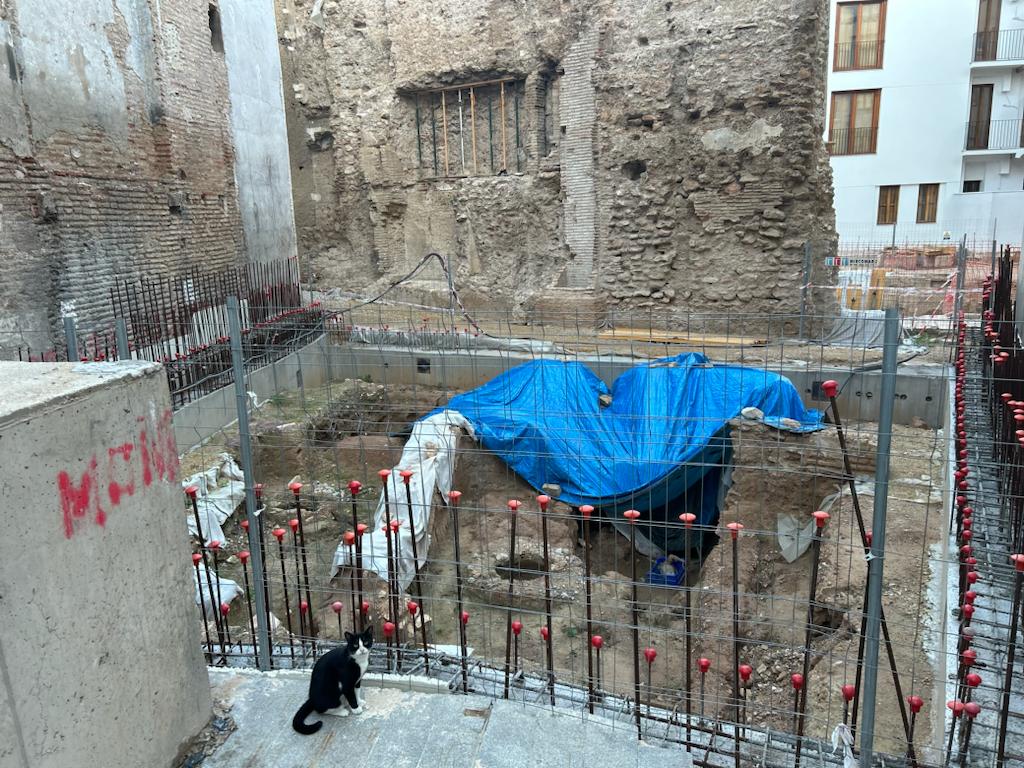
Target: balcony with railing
{"x": 1002, "y": 135}
{"x": 859, "y": 141}
{"x": 862, "y": 54}
{"x": 1002, "y": 45}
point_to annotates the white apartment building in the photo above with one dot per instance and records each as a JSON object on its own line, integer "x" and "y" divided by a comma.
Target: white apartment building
{"x": 924, "y": 120}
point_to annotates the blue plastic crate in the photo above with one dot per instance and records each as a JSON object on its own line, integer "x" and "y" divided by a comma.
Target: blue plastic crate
{"x": 658, "y": 579}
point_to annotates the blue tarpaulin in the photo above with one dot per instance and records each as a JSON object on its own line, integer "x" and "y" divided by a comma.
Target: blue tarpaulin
{"x": 661, "y": 442}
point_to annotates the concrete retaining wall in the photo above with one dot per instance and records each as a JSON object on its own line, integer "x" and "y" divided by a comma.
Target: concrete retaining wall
{"x": 99, "y": 659}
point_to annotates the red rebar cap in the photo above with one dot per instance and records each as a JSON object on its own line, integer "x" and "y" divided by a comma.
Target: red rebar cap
{"x": 972, "y": 577}
{"x": 336, "y": 606}
{"x": 970, "y": 596}
{"x": 517, "y": 627}
{"x": 734, "y": 529}
{"x": 745, "y": 671}
{"x": 1018, "y": 562}
{"x": 703, "y": 664}
{"x": 245, "y": 525}
{"x": 971, "y": 561}
{"x": 389, "y": 628}
{"x": 225, "y": 609}
{"x": 244, "y": 556}
{"x": 868, "y": 537}
{"x": 294, "y": 524}
{"x": 365, "y": 608}
{"x": 820, "y": 518}
{"x": 361, "y": 529}
{"x": 967, "y": 610}
{"x": 830, "y": 388}
{"x": 258, "y": 488}
{"x": 413, "y": 607}
{"x": 544, "y": 633}
{"x": 355, "y": 487}
{"x": 969, "y": 657}
{"x": 213, "y": 545}
{"x": 303, "y": 606}
{"x": 968, "y": 511}
{"x": 972, "y": 709}
{"x": 586, "y": 510}
{"x": 465, "y": 617}
{"x": 597, "y": 641}
{"x": 278, "y": 533}
{"x": 973, "y": 679}
{"x": 454, "y": 496}
{"x": 915, "y": 702}
{"x": 406, "y": 475}
{"x": 688, "y": 518}
{"x": 849, "y": 691}
{"x": 395, "y": 525}
{"x": 295, "y": 487}
{"x": 513, "y": 505}
{"x": 956, "y": 706}
{"x": 350, "y": 538}
{"x": 966, "y": 550}
{"x": 632, "y": 515}
{"x": 384, "y": 474}
{"x": 543, "y": 500}
{"x": 196, "y": 557}
{"x": 797, "y": 680}
{"x": 967, "y": 522}
{"x": 1006, "y": 397}
{"x": 650, "y": 654}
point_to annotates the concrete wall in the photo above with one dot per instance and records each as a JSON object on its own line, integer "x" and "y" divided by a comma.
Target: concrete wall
{"x": 258, "y": 128}
{"x": 670, "y": 153}
{"x": 120, "y": 154}
{"x": 197, "y": 421}
{"x": 100, "y": 662}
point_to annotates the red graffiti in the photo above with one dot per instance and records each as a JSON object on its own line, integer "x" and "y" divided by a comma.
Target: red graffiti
{"x": 156, "y": 457}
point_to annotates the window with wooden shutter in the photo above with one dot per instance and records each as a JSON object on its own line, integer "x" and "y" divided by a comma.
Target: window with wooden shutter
{"x": 888, "y": 204}
{"x": 927, "y": 203}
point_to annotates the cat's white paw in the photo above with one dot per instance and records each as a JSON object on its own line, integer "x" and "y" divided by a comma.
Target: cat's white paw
{"x": 358, "y": 710}
{"x": 337, "y": 712}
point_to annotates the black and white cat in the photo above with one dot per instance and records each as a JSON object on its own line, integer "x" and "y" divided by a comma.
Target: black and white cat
{"x": 336, "y": 674}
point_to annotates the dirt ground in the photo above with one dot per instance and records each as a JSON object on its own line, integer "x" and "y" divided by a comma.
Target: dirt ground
{"x": 776, "y": 475}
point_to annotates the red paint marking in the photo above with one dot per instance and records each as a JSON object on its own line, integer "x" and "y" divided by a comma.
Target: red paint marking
{"x": 115, "y": 489}
{"x": 157, "y": 458}
{"x": 75, "y": 502}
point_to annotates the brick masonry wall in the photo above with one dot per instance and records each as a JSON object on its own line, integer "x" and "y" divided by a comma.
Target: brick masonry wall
{"x": 116, "y": 156}
{"x": 698, "y": 137}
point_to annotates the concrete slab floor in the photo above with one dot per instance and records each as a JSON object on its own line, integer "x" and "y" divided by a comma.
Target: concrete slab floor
{"x": 405, "y": 728}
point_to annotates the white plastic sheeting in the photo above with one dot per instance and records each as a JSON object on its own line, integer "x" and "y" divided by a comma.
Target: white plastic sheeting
{"x": 227, "y": 588}
{"x": 430, "y": 454}
{"x": 216, "y": 502}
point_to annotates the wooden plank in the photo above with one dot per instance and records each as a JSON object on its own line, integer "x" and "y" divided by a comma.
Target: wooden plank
{"x": 709, "y": 340}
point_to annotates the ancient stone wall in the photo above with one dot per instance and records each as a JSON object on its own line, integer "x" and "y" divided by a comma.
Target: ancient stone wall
{"x": 667, "y": 153}
{"x": 118, "y": 156}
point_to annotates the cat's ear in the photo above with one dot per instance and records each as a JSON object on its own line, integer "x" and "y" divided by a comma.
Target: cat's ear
{"x": 368, "y": 632}
{"x": 349, "y": 637}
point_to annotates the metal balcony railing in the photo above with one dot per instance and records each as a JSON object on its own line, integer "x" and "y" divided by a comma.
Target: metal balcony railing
{"x": 863, "y": 54}
{"x": 860, "y": 141}
{"x": 999, "y": 45}
{"x": 995, "y": 134}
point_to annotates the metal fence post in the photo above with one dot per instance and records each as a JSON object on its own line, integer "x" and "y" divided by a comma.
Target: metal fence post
{"x": 961, "y": 273}
{"x": 124, "y": 352}
{"x": 995, "y": 247}
{"x": 245, "y": 449}
{"x": 71, "y": 339}
{"x": 804, "y": 283}
{"x": 875, "y": 557}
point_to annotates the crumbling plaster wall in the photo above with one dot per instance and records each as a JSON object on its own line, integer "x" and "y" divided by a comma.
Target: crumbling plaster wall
{"x": 674, "y": 159}
{"x": 118, "y": 152}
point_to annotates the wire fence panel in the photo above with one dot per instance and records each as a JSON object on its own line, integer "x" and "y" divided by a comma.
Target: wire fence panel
{"x": 660, "y": 519}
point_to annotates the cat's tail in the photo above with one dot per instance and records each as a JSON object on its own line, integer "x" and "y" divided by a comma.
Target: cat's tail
{"x": 299, "y": 721}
